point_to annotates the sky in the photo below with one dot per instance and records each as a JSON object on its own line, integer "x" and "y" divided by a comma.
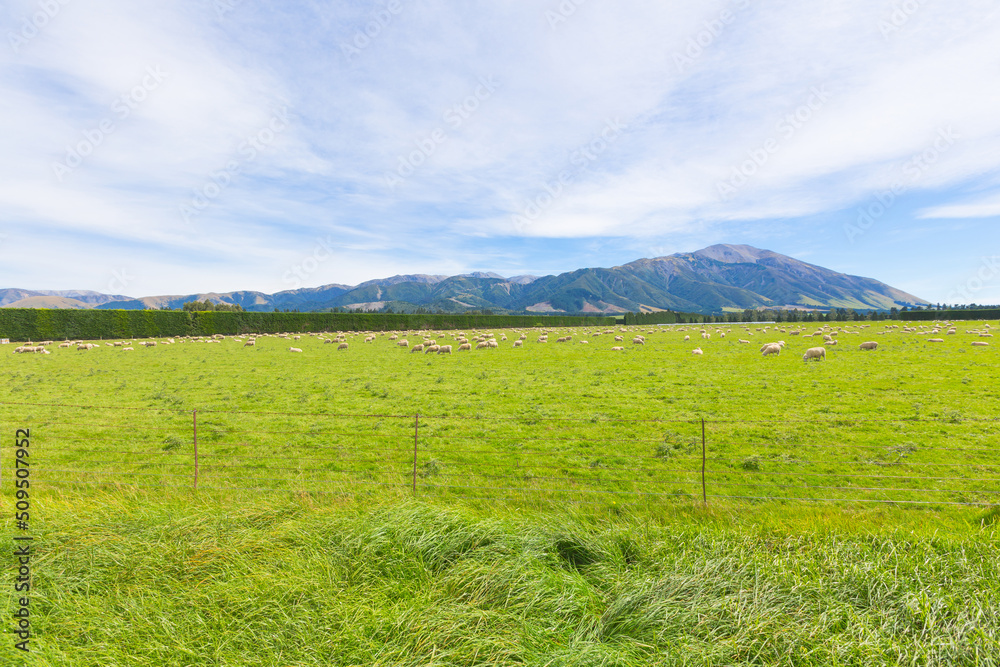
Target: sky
{"x": 214, "y": 145}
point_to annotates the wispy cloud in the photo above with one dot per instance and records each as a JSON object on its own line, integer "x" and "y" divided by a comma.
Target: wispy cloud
{"x": 699, "y": 90}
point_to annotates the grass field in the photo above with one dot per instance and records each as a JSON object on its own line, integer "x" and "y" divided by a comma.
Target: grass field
{"x": 558, "y": 516}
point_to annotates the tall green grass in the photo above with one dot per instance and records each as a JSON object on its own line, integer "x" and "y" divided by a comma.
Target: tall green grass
{"x": 128, "y": 578}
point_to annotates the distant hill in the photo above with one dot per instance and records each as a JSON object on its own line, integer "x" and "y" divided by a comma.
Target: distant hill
{"x": 50, "y": 302}
{"x": 89, "y": 299}
{"x": 709, "y": 281}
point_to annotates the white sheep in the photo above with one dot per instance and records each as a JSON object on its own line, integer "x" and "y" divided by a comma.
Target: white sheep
{"x": 697, "y": 350}
{"x": 294, "y": 349}
{"x": 468, "y": 346}
{"x": 342, "y": 346}
{"x": 419, "y": 347}
{"x": 816, "y": 353}
{"x": 868, "y": 345}
{"x": 444, "y": 349}
{"x": 771, "y": 348}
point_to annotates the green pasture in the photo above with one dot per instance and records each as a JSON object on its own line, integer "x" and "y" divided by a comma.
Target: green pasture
{"x": 912, "y": 422}
{"x": 558, "y": 516}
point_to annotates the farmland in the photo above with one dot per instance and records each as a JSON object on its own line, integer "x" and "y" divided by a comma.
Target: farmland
{"x": 558, "y": 515}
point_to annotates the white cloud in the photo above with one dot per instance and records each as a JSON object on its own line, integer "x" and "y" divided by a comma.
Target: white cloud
{"x": 701, "y": 88}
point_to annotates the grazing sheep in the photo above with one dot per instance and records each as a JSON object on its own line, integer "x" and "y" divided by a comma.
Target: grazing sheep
{"x": 638, "y": 341}
{"x": 468, "y": 346}
{"x": 816, "y": 353}
{"x": 328, "y": 341}
{"x": 127, "y": 349}
{"x": 431, "y": 348}
{"x": 868, "y": 345}
{"x": 618, "y": 349}
{"x": 294, "y": 349}
{"x": 250, "y": 343}
{"x": 444, "y": 349}
{"x": 935, "y": 340}
{"x": 517, "y": 343}
{"x": 482, "y": 345}
{"x": 687, "y": 338}
{"x": 697, "y": 350}
{"x": 620, "y": 339}
{"x": 980, "y": 343}
{"x": 743, "y": 342}
{"x": 342, "y": 346}
{"x": 771, "y": 348}
{"x": 419, "y": 347}
{"x": 492, "y": 343}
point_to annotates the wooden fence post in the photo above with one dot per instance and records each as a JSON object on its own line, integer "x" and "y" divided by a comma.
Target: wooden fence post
{"x": 704, "y": 494}
{"x": 416, "y": 430}
{"x": 194, "y": 425}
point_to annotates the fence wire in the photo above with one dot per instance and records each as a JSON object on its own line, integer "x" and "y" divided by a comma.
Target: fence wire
{"x": 585, "y": 459}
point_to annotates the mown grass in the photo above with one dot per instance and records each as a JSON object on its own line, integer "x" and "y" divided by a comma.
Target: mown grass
{"x": 602, "y": 556}
{"x": 127, "y": 578}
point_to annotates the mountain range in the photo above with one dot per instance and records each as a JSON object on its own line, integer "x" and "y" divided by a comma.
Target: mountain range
{"x": 716, "y": 278}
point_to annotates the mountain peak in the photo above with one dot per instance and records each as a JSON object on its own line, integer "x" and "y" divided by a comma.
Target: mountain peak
{"x": 733, "y": 253}
{"x": 714, "y": 279}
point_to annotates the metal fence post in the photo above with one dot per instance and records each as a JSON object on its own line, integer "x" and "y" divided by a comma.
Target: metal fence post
{"x": 416, "y": 430}
{"x": 704, "y": 495}
{"x": 194, "y": 427}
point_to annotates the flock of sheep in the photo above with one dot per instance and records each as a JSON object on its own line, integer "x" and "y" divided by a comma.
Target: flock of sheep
{"x": 462, "y": 342}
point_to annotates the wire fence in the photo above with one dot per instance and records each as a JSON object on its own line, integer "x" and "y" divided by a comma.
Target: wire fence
{"x": 951, "y": 461}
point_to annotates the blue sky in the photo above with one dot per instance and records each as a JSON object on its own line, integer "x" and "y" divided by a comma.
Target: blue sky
{"x": 213, "y": 145}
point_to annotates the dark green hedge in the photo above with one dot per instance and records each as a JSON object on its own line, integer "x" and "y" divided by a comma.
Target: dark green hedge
{"x": 957, "y": 314}
{"x": 662, "y": 317}
{"x": 22, "y": 324}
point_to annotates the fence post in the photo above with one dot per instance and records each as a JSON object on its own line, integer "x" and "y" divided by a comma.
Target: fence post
{"x": 416, "y": 430}
{"x": 704, "y": 495}
{"x": 194, "y": 426}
